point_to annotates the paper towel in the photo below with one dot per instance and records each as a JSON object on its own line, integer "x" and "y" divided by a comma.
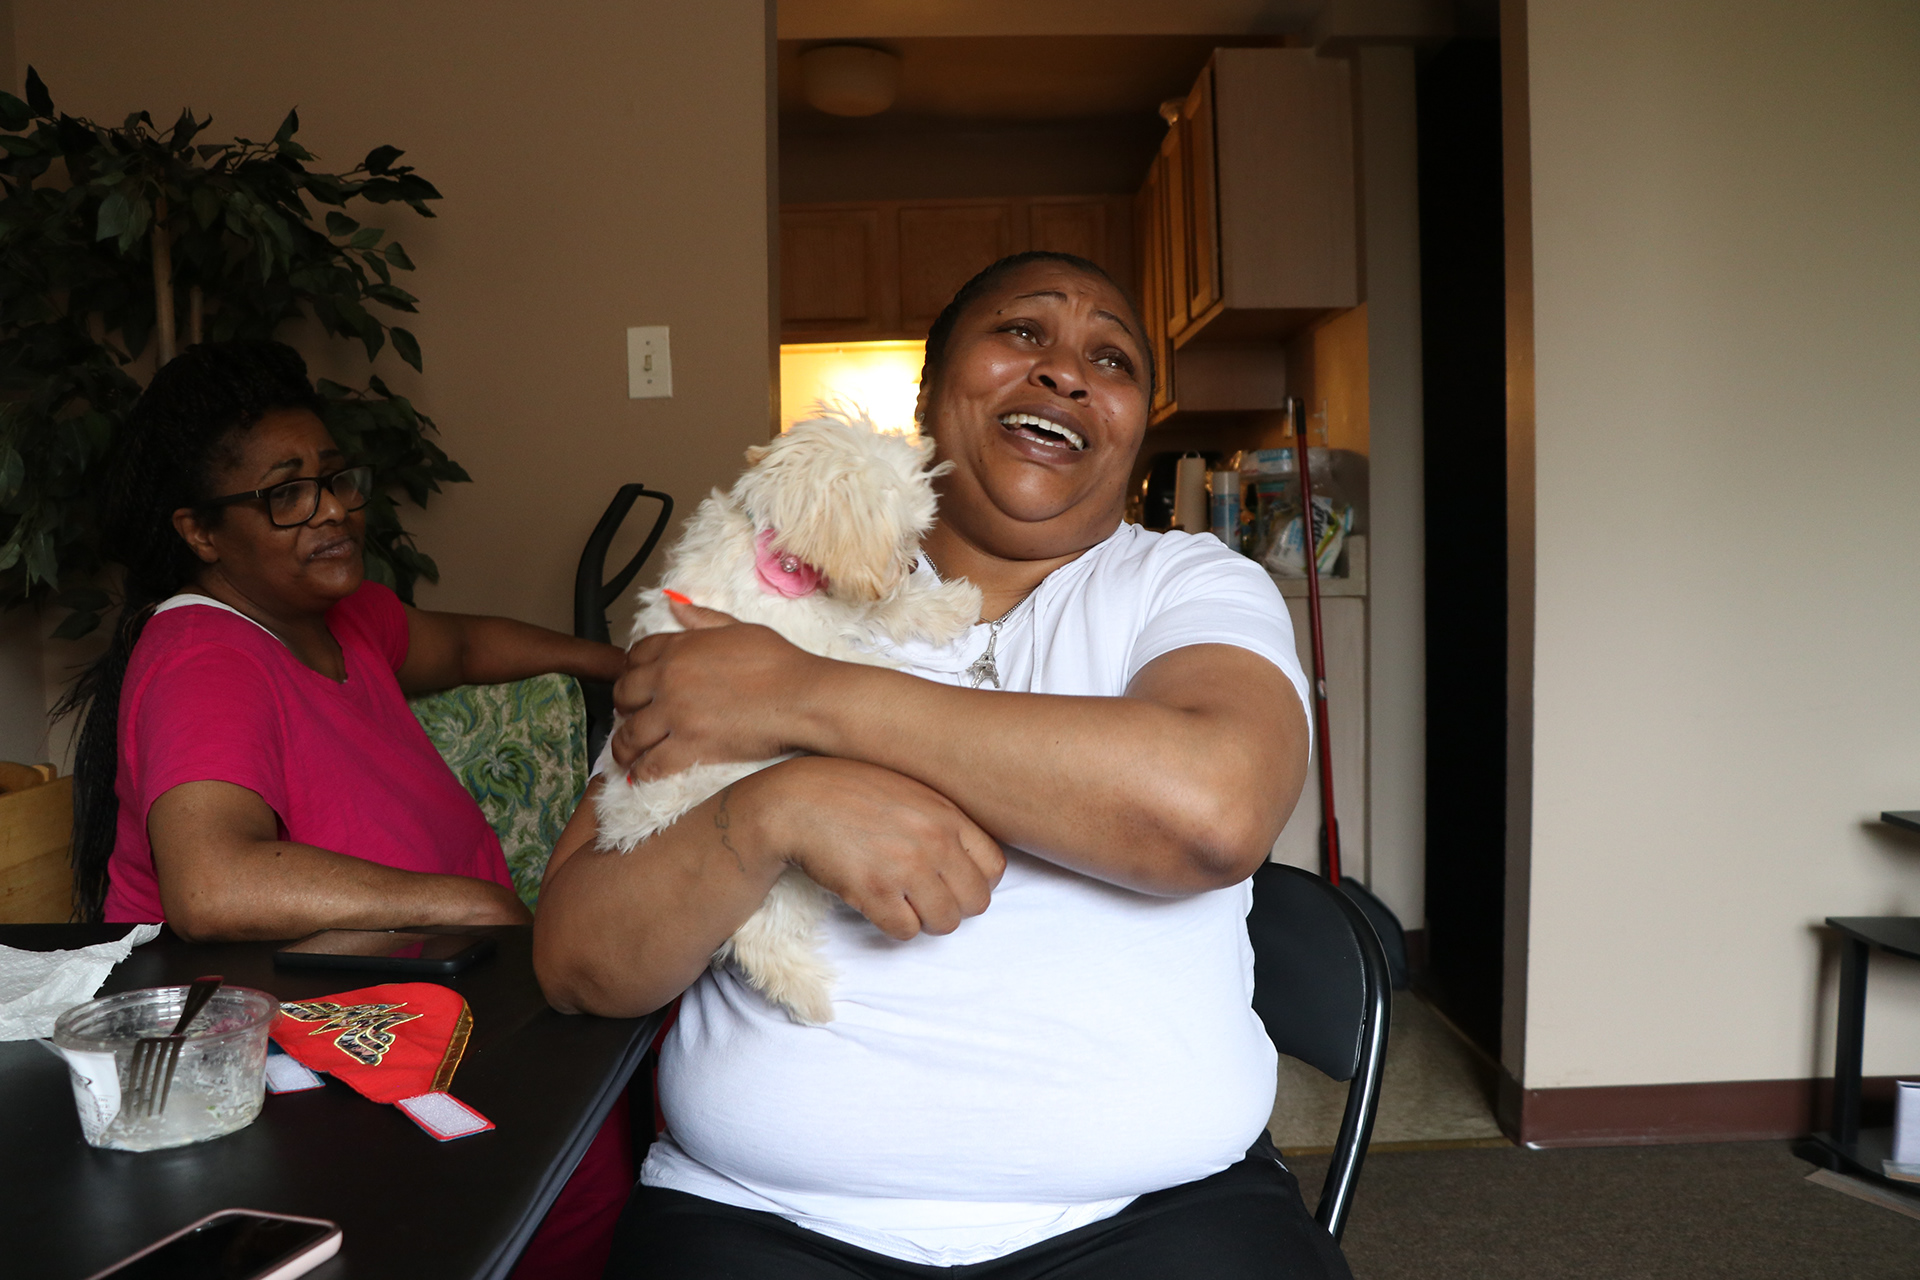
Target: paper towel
{"x": 36, "y": 987}
{"x": 1190, "y": 494}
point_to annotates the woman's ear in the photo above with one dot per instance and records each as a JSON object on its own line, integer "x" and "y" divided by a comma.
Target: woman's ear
{"x": 920, "y": 404}
{"x": 197, "y": 536}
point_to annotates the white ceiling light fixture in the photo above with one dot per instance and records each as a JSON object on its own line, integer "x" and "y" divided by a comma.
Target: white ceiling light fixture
{"x": 849, "y": 79}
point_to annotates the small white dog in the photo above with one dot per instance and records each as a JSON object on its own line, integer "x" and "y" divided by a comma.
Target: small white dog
{"x": 816, "y": 540}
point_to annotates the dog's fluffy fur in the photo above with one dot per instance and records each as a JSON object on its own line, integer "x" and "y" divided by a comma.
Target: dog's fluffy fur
{"x": 853, "y": 503}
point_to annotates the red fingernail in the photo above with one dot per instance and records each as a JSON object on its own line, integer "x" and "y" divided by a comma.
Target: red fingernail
{"x": 674, "y": 596}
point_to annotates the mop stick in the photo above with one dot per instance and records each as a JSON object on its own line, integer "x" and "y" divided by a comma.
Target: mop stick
{"x": 1310, "y": 550}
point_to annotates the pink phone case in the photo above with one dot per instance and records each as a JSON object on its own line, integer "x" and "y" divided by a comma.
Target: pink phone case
{"x": 298, "y": 1265}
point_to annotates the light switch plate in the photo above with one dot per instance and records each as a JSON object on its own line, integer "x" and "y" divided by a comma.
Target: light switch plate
{"x": 649, "y": 363}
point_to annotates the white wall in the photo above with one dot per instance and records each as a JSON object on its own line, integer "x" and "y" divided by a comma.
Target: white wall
{"x": 1726, "y": 232}
{"x": 603, "y": 165}
{"x": 1396, "y": 512}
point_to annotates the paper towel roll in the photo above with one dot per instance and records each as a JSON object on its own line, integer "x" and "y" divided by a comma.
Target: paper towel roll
{"x": 1190, "y": 494}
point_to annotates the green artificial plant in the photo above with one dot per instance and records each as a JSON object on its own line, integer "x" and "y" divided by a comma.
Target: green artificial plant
{"x": 114, "y": 240}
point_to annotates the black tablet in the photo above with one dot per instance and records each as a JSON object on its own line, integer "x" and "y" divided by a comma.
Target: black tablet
{"x": 391, "y": 950}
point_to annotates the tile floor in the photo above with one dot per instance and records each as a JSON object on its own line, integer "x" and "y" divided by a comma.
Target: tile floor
{"x": 1436, "y": 1091}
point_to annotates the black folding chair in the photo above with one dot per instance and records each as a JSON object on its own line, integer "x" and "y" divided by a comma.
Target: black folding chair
{"x": 593, "y": 591}
{"x": 1320, "y": 986}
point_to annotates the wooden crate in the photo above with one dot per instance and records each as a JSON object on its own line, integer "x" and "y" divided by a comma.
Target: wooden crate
{"x": 36, "y": 827}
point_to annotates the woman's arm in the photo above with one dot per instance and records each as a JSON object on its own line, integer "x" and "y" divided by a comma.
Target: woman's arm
{"x": 621, "y": 934}
{"x": 225, "y": 877}
{"x": 1181, "y": 785}
{"x": 448, "y": 649}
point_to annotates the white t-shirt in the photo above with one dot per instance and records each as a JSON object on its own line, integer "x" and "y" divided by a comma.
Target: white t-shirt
{"x": 1073, "y": 1047}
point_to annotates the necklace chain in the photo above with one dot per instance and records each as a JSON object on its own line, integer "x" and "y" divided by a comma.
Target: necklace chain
{"x": 984, "y": 669}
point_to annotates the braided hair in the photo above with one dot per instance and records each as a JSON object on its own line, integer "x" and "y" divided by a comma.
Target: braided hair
{"x": 187, "y": 425}
{"x": 940, "y": 336}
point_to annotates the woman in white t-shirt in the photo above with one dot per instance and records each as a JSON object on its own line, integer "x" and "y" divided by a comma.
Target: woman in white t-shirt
{"x": 1043, "y": 1059}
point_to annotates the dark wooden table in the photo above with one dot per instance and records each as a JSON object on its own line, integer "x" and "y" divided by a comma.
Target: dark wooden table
{"x": 408, "y": 1206}
{"x": 1846, "y": 1147}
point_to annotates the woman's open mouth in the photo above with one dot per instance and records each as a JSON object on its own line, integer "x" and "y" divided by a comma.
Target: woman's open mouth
{"x": 1043, "y": 431}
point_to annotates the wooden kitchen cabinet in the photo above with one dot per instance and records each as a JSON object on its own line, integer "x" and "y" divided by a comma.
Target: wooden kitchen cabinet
{"x": 1270, "y": 203}
{"x": 944, "y": 246}
{"x": 832, "y": 273}
{"x": 1150, "y": 225}
{"x": 884, "y": 269}
{"x": 1201, "y": 250}
{"x": 1246, "y": 228}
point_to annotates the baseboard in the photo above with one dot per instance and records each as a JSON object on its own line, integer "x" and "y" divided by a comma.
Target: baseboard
{"x": 1651, "y": 1114}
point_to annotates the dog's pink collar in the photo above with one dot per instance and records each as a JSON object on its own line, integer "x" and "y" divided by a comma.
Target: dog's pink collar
{"x": 781, "y": 573}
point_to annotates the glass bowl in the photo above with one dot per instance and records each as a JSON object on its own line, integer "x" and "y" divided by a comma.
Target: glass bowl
{"x": 217, "y": 1087}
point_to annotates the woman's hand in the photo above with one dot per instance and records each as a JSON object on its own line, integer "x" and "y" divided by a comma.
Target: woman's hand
{"x": 715, "y": 693}
{"x": 895, "y": 850}
{"x": 621, "y": 934}
{"x": 496, "y": 904}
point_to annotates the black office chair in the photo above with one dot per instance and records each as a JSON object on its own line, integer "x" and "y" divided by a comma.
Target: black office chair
{"x": 1320, "y": 986}
{"x": 593, "y": 591}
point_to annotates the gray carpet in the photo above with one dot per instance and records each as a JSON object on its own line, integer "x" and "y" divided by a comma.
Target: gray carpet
{"x": 1622, "y": 1213}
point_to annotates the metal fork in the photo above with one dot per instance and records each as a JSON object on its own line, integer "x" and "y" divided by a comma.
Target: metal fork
{"x": 150, "y": 1075}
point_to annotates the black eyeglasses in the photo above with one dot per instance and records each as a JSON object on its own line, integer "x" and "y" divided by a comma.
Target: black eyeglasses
{"x": 293, "y": 502}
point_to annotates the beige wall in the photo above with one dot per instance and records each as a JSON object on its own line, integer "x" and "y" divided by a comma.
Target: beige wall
{"x": 604, "y": 165}
{"x": 1726, "y": 233}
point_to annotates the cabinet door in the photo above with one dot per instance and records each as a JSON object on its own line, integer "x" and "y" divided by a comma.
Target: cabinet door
{"x": 1069, "y": 226}
{"x": 831, "y": 276}
{"x": 1173, "y": 215}
{"x": 1150, "y": 237}
{"x": 941, "y": 248}
{"x": 1096, "y": 228}
{"x": 1203, "y": 205}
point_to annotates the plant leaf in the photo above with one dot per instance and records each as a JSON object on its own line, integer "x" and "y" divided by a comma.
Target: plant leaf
{"x": 339, "y": 224}
{"x": 406, "y": 346}
{"x": 91, "y": 599}
{"x": 289, "y": 126}
{"x": 380, "y": 159}
{"x": 206, "y": 205}
{"x": 37, "y": 96}
{"x": 14, "y": 114}
{"x": 41, "y": 564}
{"x": 398, "y": 256}
{"x": 115, "y": 215}
{"x": 81, "y": 622}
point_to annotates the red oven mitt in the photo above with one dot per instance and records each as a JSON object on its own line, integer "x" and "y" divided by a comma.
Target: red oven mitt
{"x": 399, "y": 1042}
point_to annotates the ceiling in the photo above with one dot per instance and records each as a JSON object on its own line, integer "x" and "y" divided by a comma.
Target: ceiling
{"x": 1026, "y": 79}
{"x": 897, "y": 19}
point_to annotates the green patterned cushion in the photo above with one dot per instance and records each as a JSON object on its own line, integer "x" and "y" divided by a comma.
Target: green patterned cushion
{"x": 521, "y": 752}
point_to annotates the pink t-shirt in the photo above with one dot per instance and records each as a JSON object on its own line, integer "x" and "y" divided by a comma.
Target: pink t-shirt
{"x": 212, "y": 696}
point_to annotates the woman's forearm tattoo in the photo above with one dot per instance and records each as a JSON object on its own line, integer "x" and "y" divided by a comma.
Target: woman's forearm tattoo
{"x": 723, "y": 823}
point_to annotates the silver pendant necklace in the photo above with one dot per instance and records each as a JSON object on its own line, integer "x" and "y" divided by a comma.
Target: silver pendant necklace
{"x": 984, "y": 668}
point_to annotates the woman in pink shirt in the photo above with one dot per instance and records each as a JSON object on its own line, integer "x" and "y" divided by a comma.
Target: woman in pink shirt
{"x": 248, "y": 766}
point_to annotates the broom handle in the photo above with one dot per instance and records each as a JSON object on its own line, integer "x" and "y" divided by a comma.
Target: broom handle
{"x": 1310, "y": 549}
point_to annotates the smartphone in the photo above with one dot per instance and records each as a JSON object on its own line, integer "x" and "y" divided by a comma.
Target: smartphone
{"x": 394, "y": 950}
{"x": 234, "y": 1244}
